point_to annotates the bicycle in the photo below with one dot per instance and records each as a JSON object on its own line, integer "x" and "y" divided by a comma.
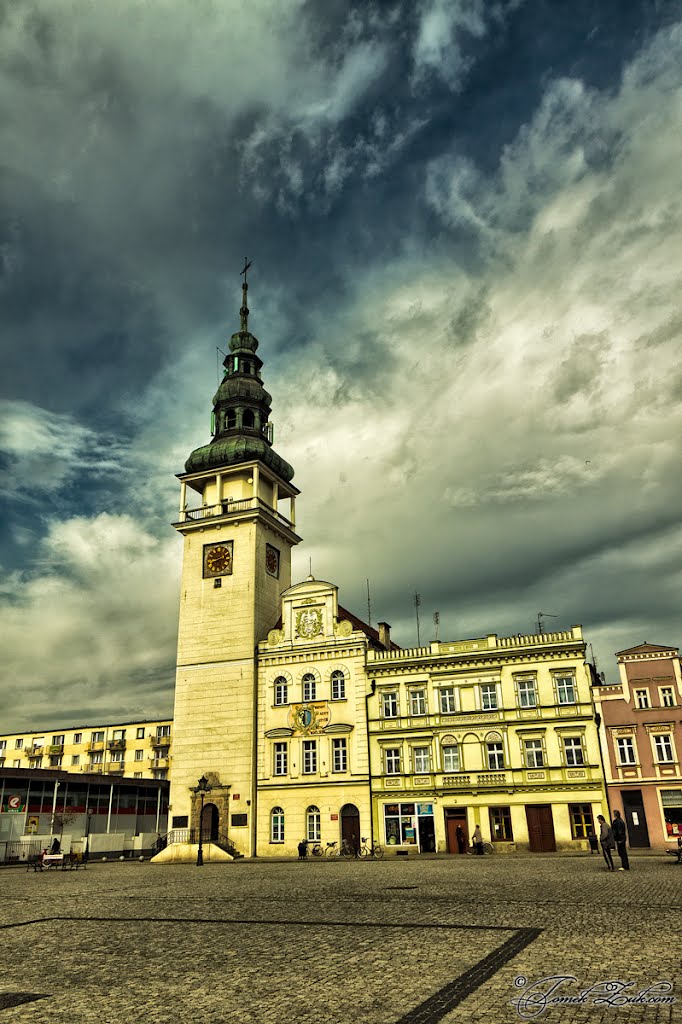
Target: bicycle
{"x": 487, "y": 848}
{"x": 317, "y": 850}
{"x": 346, "y": 850}
{"x": 371, "y": 851}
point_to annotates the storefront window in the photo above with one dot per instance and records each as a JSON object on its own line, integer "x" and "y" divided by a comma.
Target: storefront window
{"x": 582, "y": 823}
{"x": 410, "y": 825}
{"x": 500, "y": 824}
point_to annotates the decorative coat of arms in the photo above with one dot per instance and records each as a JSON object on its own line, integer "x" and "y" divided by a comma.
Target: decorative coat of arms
{"x": 309, "y": 623}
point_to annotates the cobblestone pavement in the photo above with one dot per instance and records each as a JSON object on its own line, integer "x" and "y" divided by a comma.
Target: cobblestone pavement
{"x": 391, "y": 942}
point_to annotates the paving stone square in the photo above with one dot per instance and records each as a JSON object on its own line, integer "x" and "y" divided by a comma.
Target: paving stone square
{"x": 394, "y": 942}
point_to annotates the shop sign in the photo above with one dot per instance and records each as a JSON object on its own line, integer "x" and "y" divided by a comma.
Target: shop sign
{"x": 32, "y": 825}
{"x": 14, "y": 803}
{"x": 423, "y": 809}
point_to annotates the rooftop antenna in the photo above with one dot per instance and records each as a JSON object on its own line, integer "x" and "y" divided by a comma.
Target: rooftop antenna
{"x": 417, "y": 602}
{"x": 436, "y": 622}
{"x": 369, "y": 607}
{"x": 544, "y": 615}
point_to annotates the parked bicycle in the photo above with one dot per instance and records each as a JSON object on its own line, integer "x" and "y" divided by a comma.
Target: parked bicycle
{"x": 345, "y": 850}
{"x": 316, "y": 850}
{"x": 371, "y": 851}
{"x": 487, "y": 848}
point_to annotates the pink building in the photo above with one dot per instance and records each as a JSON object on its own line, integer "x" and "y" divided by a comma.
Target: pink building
{"x": 641, "y": 735}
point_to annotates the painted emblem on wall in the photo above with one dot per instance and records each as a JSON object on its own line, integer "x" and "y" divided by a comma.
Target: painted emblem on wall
{"x": 308, "y": 718}
{"x": 309, "y": 623}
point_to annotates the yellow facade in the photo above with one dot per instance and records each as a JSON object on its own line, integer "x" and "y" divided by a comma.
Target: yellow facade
{"x": 140, "y": 750}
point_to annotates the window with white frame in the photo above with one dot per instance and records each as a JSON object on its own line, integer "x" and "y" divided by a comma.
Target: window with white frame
{"x": 526, "y": 690}
{"x": 163, "y": 731}
{"x": 642, "y": 699}
{"x": 18, "y": 744}
{"x": 16, "y": 764}
{"x": 281, "y": 690}
{"x": 78, "y": 737}
{"x": 277, "y": 825}
{"x": 313, "y": 831}
{"x": 389, "y": 705}
{"x": 3, "y": 744}
{"x": 667, "y": 697}
{"x": 488, "y": 697}
{"x": 495, "y": 756}
{"x": 417, "y": 702}
{"x": 309, "y": 687}
{"x": 339, "y": 755}
{"x": 55, "y": 761}
{"x": 338, "y": 685}
{"x": 565, "y": 689}
{"x": 573, "y": 750}
{"x": 139, "y": 734}
{"x": 137, "y": 775}
{"x": 119, "y": 734}
{"x": 97, "y": 757}
{"x": 451, "y": 758}
{"x": 139, "y": 755}
{"x": 309, "y": 757}
{"x": 75, "y": 760}
{"x": 447, "y": 700}
{"x": 625, "y": 745}
{"x": 280, "y": 759}
{"x": 534, "y": 754}
{"x": 58, "y": 740}
{"x": 663, "y": 745}
{"x": 421, "y": 760}
{"x": 392, "y": 760}
{"x": 116, "y": 755}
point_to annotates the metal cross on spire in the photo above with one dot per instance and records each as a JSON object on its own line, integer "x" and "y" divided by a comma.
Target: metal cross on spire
{"x": 244, "y": 311}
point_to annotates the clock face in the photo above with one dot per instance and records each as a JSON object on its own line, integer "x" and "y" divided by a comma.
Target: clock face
{"x": 309, "y": 622}
{"x": 218, "y": 559}
{"x": 271, "y": 560}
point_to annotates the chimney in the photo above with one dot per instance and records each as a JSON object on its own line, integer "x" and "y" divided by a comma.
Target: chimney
{"x": 385, "y": 635}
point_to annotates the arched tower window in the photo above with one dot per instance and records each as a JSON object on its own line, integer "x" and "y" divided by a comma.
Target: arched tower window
{"x": 338, "y": 685}
{"x": 231, "y": 419}
{"x": 312, "y": 824}
{"x": 276, "y": 825}
{"x": 247, "y": 418}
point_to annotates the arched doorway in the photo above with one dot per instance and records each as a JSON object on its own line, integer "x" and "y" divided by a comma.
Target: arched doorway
{"x": 210, "y": 822}
{"x": 350, "y": 825}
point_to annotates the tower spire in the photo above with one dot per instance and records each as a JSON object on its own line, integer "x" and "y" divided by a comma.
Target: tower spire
{"x": 244, "y": 311}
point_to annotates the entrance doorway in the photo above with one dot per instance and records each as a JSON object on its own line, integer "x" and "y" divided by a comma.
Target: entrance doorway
{"x": 540, "y": 828}
{"x": 453, "y": 819}
{"x": 210, "y": 823}
{"x": 633, "y": 808}
{"x": 427, "y": 834}
{"x": 350, "y": 826}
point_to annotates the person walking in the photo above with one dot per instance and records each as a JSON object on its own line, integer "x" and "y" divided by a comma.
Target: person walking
{"x": 607, "y": 841}
{"x": 461, "y": 842}
{"x": 620, "y": 837}
{"x": 477, "y": 840}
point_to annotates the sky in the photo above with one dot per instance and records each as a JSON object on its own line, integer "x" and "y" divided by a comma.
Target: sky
{"x": 464, "y": 221}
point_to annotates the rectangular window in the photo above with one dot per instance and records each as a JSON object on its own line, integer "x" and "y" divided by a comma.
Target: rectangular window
{"x": 97, "y": 737}
{"x": 447, "y": 700}
{"x": 18, "y": 744}
{"x": 392, "y": 755}
{"x": 308, "y": 688}
{"x": 573, "y": 750}
{"x": 626, "y": 750}
{"x": 281, "y": 691}
{"x": 534, "y": 755}
{"x": 78, "y": 737}
{"x": 58, "y": 740}
{"x": 451, "y": 758}
{"x": 488, "y": 697}
{"x": 97, "y": 757}
{"x": 501, "y": 825}
{"x": 565, "y": 689}
{"x": 3, "y": 744}
{"x": 582, "y": 823}
{"x": 527, "y": 693}
{"x": 280, "y": 762}
{"x": 495, "y": 756}
{"x": 313, "y": 825}
{"x": 119, "y": 734}
{"x": 117, "y": 755}
{"x": 16, "y": 764}
{"x": 339, "y": 755}
{"x": 75, "y": 759}
{"x": 421, "y": 760}
{"x": 163, "y": 731}
{"x": 137, "y": 775}
{"x": 642, "y": 699}
{"x": 309, "y": 757}
{"x": 667, "y": 697}
{"x": 664, "y": 749}
{"x": 56, "y": 761}
{"x": 277, "y": 826}
{"x": 389, "y": 705}
{"x": 139, "y": 755}
{"x": 139, "y": 733}
{"x": 338, "y": 686}
{"x": 418, "y": 702}
{"x": 238, "y": 820}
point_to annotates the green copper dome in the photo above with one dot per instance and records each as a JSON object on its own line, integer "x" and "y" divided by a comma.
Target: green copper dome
{"x": 242, "y": 431}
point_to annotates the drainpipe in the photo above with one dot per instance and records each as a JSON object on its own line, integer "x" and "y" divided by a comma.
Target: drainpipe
{"x": 111, "y": 800}
{"x": 597, "y": 722}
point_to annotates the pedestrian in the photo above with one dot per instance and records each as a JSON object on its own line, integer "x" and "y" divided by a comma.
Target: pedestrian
{"x": 607, "y": 841}
{"x": 461, "y": 841}
{"x": 477, "y": 840}
{"x": 56, "y": 846}
{"x": 620, "y": 837}
{"x": 303, "y": 849}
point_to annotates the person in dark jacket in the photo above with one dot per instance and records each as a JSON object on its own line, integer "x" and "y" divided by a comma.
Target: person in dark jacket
{"x": 606, "y": 840}
{"x": 620, "y": 836}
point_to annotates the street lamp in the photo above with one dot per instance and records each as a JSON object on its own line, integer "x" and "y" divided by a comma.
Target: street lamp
{"x": 86, "y": 851}
{"x": 202, "y": 788}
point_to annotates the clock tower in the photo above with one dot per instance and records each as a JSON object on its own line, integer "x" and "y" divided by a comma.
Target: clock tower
{"x": 236, "y": 564}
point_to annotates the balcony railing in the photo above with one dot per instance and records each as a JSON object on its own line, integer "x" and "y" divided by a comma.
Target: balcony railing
{"x": 95, "y": 768}
{"x": 56, "y": 748}
{"x": 159, "y": 762}
{"x": 225, "y": 508}
{"x": 95, "y": 745}
{"x": 160, "y": 741}
{"x": 117, "y": 744}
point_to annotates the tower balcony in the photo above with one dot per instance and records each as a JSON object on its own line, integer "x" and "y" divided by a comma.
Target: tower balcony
{"x": 231, "y": 508}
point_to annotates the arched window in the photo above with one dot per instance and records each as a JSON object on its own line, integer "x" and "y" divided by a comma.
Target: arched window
{"x": 309, "y": 686}
{"x": 338, "y": 685}
{"x": 247, "y": 418}
{"x": 276, "y": 825}
{"x": 281, "y": 690}
{"x": 312, "y": 825}
{"x": 231, "y": 418}
{"x": 247, "y": 366}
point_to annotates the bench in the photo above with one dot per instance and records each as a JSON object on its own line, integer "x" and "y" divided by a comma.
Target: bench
{"x": 65, "y": 861}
